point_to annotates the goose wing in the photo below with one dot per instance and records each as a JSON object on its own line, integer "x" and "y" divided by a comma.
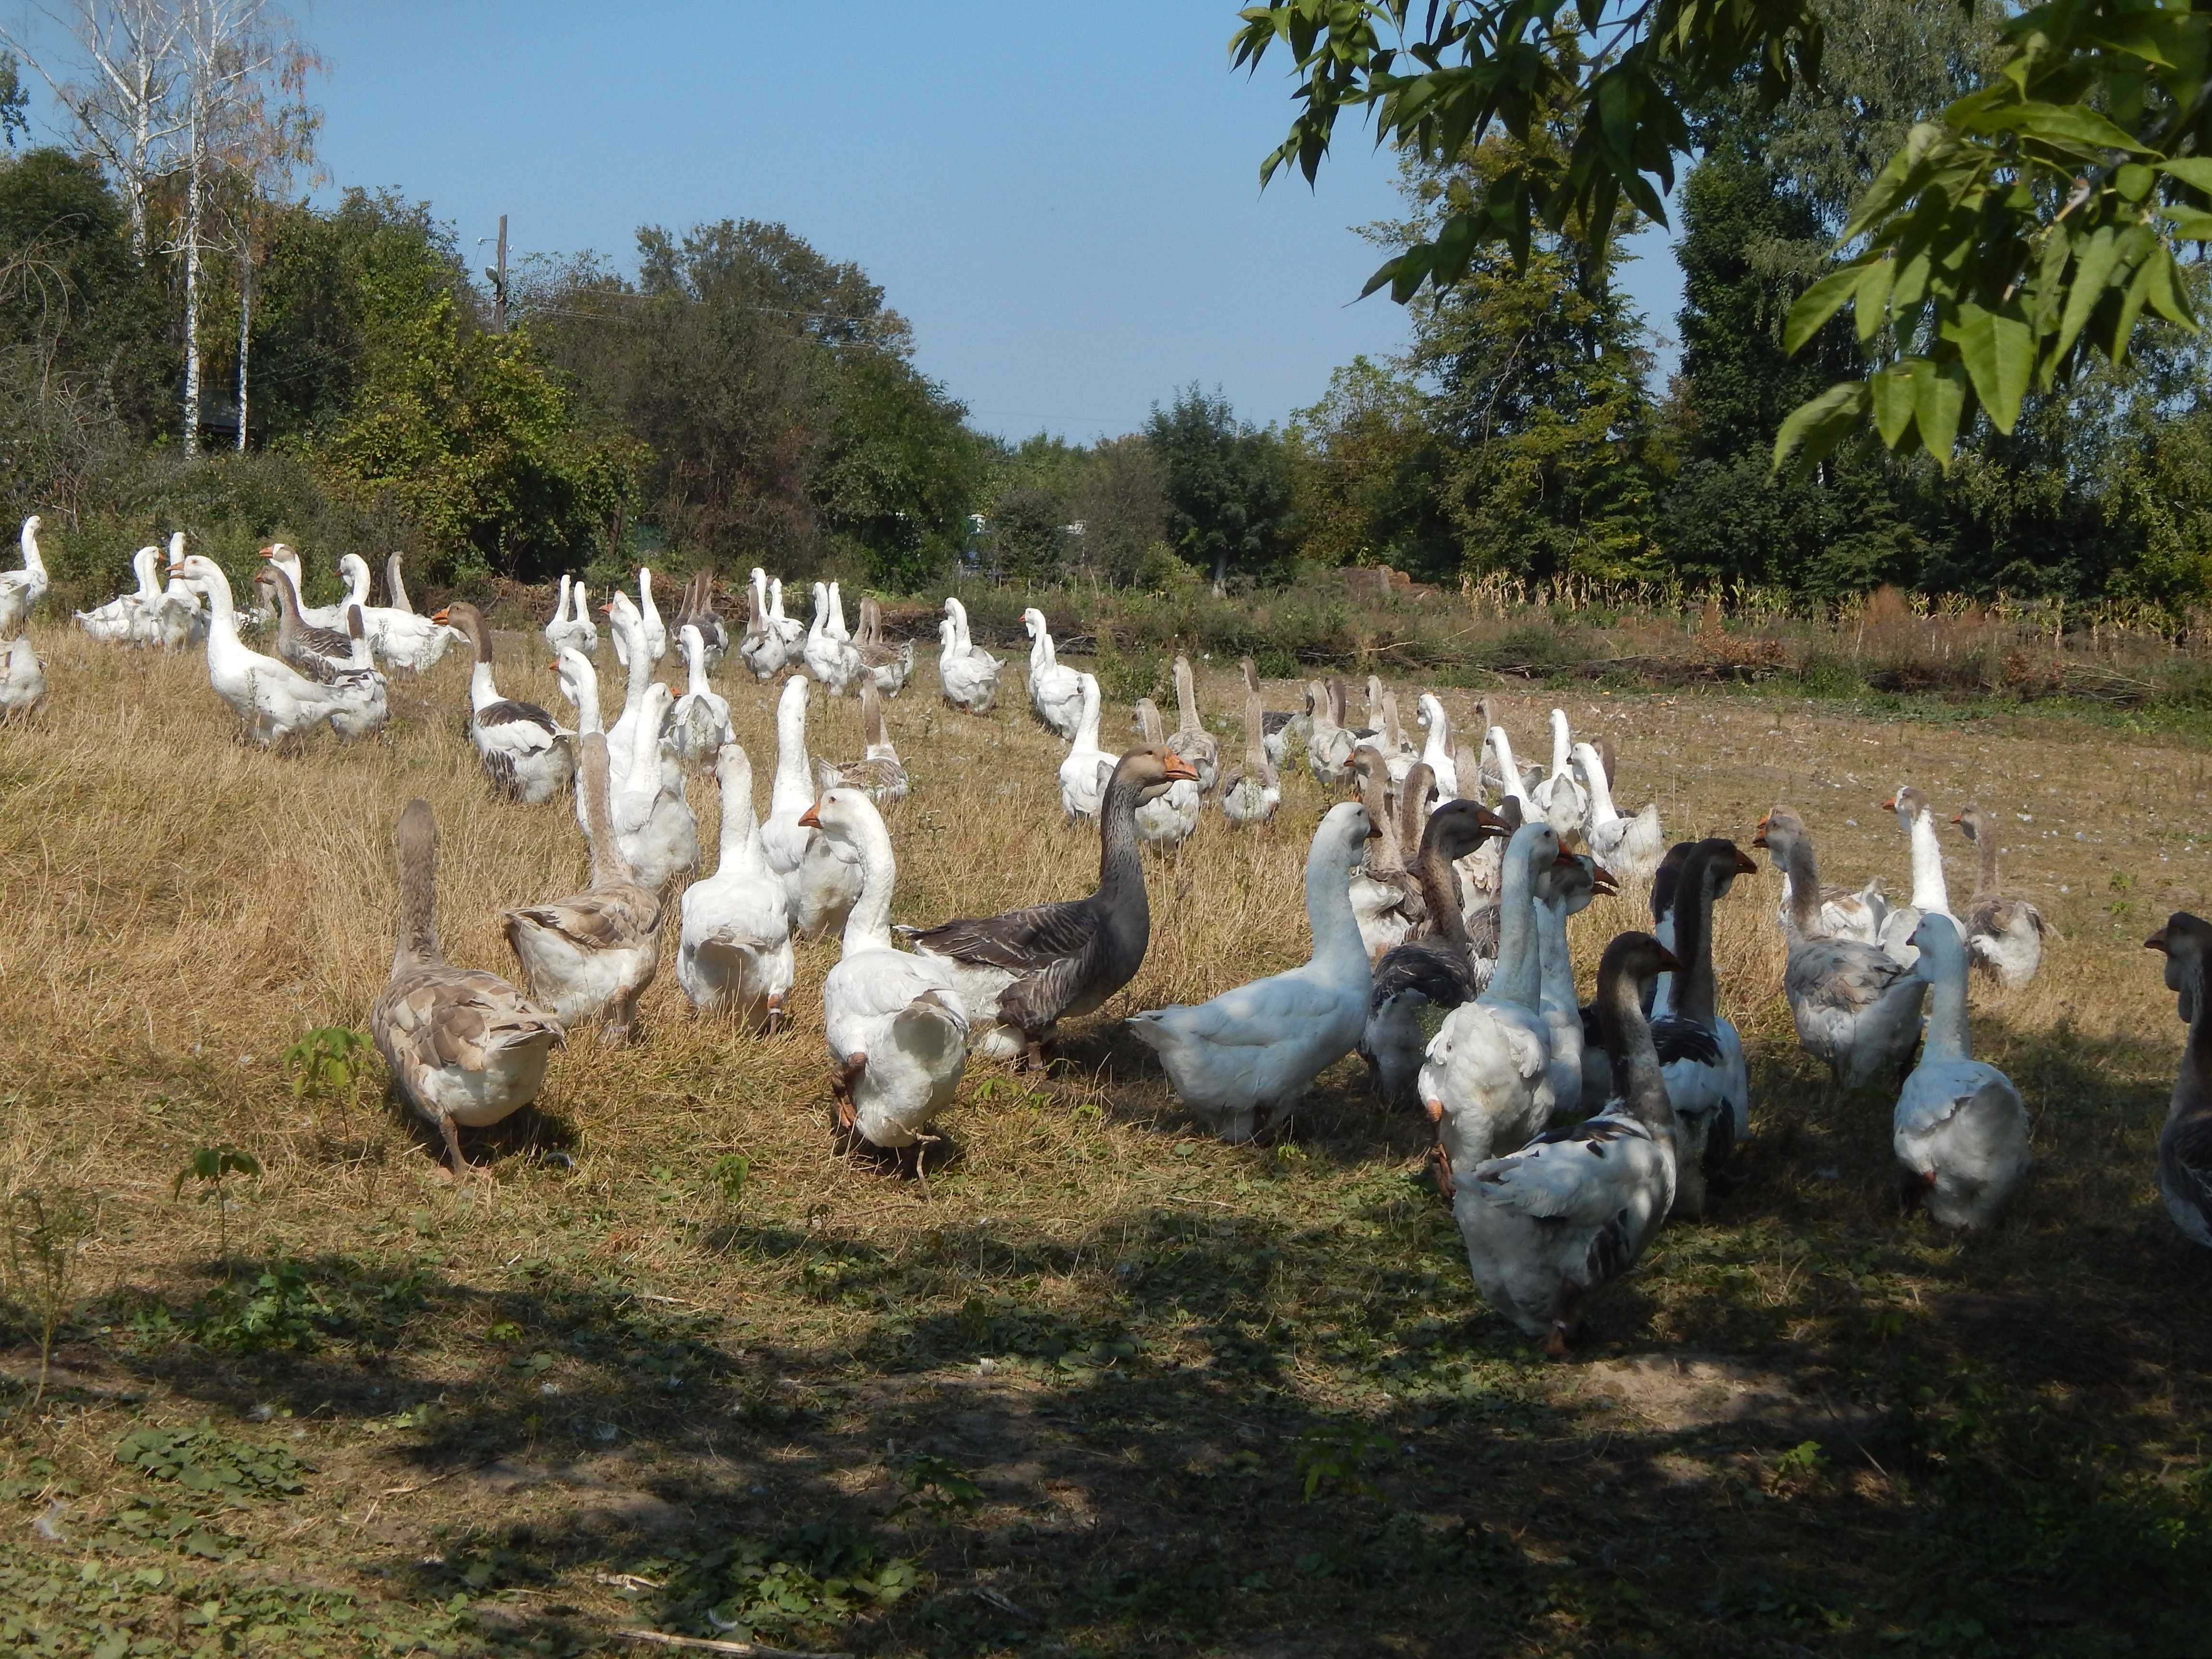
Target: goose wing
{"x": 1841, "y": 972}
{"x": 462, "y": 1017}
{"x": 603, "y": 919}
{"x": 1020, "y": 941}
{"x": 1573, "y": 1174}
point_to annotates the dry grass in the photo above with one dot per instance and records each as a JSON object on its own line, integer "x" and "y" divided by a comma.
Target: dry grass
{"x": 181, "y": 907}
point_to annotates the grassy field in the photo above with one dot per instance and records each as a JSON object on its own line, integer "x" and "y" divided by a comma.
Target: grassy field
{"x": 1098, "y": 1384}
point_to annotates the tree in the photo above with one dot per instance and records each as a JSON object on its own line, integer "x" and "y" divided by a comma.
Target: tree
{"x": 1120, "y": 498}
{"x": 2027, "y": 229}
{"x": 1228, "y": 486}
{"x": 1368, "y": 468}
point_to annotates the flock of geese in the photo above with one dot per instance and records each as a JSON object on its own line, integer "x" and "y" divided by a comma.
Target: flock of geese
{"x": 1437, "y": 898}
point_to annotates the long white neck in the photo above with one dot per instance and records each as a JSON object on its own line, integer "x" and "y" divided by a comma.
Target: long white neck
{"x": 868, "y": 924}
{"x": 1517, "y": 979}
{"x": 794, "y": 787}
{"x": 837, "y": 614}
{"x": 1324, "y": 715}
{"x": 644, "y": 605}
{"x": 1337, "y": 946}
{"x": 641, "y": 674}
{"x": 694, "y": 658}
{"x": 561, "y": 600}
{"x": 742, "y": 852}
{"x": 960, "y": 638}
{"x": 1555, "y": 964}
{"x": 582, "y": 685}
{"x": 1601, "y": 790}
{"x": 1086, "y": 730}
{"x": 356, "y": 575}
{"x": 1563, "y": 745}
{"x": 644, "y": 746}
{"x": 32, "y": 559}
{"x": 1502, "y": 747}
{"x": 142, "y": 562}
{"x": 776, "y": 599}
{"x": 1436, "y": 748}
{"x": 1946, "y": 1038}
{"x": 1186, "y": 697}
{"x": 1929, "y": 891}
{"x": 1040, "y": 655}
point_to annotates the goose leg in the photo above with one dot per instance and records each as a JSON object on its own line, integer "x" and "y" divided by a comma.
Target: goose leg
{"x": 843, "y": 1074}
{"x": 774, "y": 1021}
{"x": 1440, "y": 1168}
{"x": 463, "y": 1170}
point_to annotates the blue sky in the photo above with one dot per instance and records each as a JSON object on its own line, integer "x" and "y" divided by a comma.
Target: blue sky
{"x": 1064, "y": 199}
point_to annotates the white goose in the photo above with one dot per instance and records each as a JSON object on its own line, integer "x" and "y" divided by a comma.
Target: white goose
{"x": 1253, "y": 790}
{"x": 1558, "y": 797}
{"x": 274, "y": 700}
{"x": 19, "y": 590}
{"x": 699, "y": 724}
{"x": 1630, "y": 848}
{"x": 527, "y": 754}
{"x": 1961, "y": 1130}
{"x": 653, "y": 823}
{"x": 183, "y": 619}
{"x": 761, "y": 647}
{"x": 1573, "y": 1210}
{"x": 1854, "y": 1004}
{"x": 1084, "y": 773}
{"x": 399, "y": 638}
{"x": 1055, "y": 693}
{"x": 1168, "y": 818}
{"x": 1247, "y": 1057}
{"x": 789, "y": 629}
{"x": 363, "y": 702}
{"x": 1436, "y": 752}
{"x": 967, "y": 675}
{"x": 835, "y": 626}
{"x": 897, "y": 1035}
{"x": 23, "y": 677}
{"x": 590, "y": 956}
{"x": 125, "y": 619}
{"x": 1487, "y": 1081}
{"x": 735, "y": 955}
{"x": 821, "y": 877}
{"x": 463, "y": 1047}
{"x": 1931, "y": 894}
{"x": 571, "y": 628}
{"x": 1329, "y": 745}
{"x": 1190, "y": 739}
{"x": 831, "y": 660}
{"x": 653, "y": 631}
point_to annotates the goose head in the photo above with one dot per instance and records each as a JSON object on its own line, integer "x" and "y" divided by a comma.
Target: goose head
{"x": 1974, "y": 823}
{"x": 1939, "y": 945}
{"x": 1151, "y": 768}
{"x": 1458, "y": 827}
{"x": 1033, "y": 623}
{"x": 1908, "y": 803}
{"x": 2185, "y": 941}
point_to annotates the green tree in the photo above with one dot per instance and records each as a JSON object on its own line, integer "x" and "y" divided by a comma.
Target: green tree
{"x": 1228, "y": 487}
{"x": 1367, "y": 470}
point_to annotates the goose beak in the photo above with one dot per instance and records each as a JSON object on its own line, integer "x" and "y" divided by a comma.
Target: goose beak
{"x": 2157, "y": 942}
{"x": 1669, "y": 962}
{"x": 1744, "y": 864}
{"x": 1890, "y": 805}
{"x": 1179, "y": 770}
{"x": 1602, "y": 878}
{"x": 1958, "y": 818}
{"x": 1759, "y": 839}
{"x": 268, "y": 552}
{"x": 439, "y": 615}
{"x": 1490, "y": 821}
{"x": 176, "y": 570}
{"x": 554, "y": 665}
{"x": 807, "y": 819}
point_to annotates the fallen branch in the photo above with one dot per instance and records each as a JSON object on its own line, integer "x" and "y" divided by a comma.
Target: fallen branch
{"x": 709, "y": 1645}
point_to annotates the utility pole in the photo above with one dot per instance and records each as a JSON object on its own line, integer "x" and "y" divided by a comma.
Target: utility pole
{"x": 499, "y": 282}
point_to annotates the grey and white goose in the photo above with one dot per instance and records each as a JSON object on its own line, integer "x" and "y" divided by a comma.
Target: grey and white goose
{"x": 698, "y": 611}
{"x": 1700, "y": 1055}
{"x": 2004, "y": 933}
{"x": 528, "y": 756}
{"x": 320, "y": 653}
{"x": 2185, "y": 1146}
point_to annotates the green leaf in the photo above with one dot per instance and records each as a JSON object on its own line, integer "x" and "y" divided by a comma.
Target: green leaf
{"x": 1870, "y": 305}
{"x": 1939, "y": 397}
{"x": 1815, "y": 426}
{"x": 1819, "y": 302}
{"x": 1999, "y": 354}
{"x": 2134, "y": 181}
{"x": 2190, "y": 224}
{"x": 2072, "y": 127}
{"x": 2168, "y": 297}
{"x": 2092, "y": 270}
{"x": 1890, "y": 391}
{"x": 2195, "y": 171}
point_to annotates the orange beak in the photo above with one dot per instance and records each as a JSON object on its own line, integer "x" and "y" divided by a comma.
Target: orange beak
{"x": 268, "y": 552}
{"x": 808, "y": 820}
{"x": 439, "y": 615}
{"x": 607, "y": 610}
{"x": 554, "y": 665}
{"x": 1178, "y": 768}
{"x": 1958, "y": 818}
{"x": 1890, "y": 805}
{"x": 1759, "y": 839}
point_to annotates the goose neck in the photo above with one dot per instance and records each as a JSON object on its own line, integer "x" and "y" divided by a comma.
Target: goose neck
{"x": 794, "y": 788}
{"x": 1337, "y": 946}
{"x": 1436, "y": 747}
{"x": 1121, "y": 871}
{"x": 608, "y": 867}
{"x": 1434, "y": 866}
{"x": 1636, "y": 1076}
{"x": 1562, "y": 744}
{"x": 1555, "y": 963}
{"x": 1929, "y": 889}
{"x": 1603, "y": 810}
{"x": 2196, "y": 1074}
{"x": 1255, "y": 723}
{"x": 740, "y": 834}
{"x": 868, "y": 924}
{"x": 1693, "y": 992}
{"x": 1186, "y": 697}
{"x": 1383, "y": 855}
{"x": 395, "y": 586}
{"x": 1804, "y": 873}
{"x": 1985, "y": 852}
{"x": 1948, "y": 1036}
{"x": 1516, "y": 979}
{"x": 417, "y": 943}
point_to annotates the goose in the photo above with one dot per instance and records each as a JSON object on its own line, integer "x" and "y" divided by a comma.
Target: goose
{"x": 789, "y": 629}
{"x": 1253, "y": 791}
{"x": 699, "y": 613}
{"x": 526, "y": 754}
{"x": 1511, "y": 785}
{"x": 1854, "y": 1004}
{"x": 320, "y": 653}
{"x": 362, "y": 705}
{"x": 2185, "y": 1146}
{"x": 1844, "y": 913}
{"x": 1279, "y": 729}
{"x": 830, "y": 659}
{"x": 1434, "y": 973}
{"x": 1961, "y": 1130}
{"x": 1630, "y": 848}
{"x": 1558, "y": 797}
{"x": 626, "y": 626}
{"x": 2004, "y": 933}
{"x": 699, "y": 723}
{"x": 897, "y": 1034}
{"x": 761, "y": 648}
{"x": 967, "y": 676}
{"x": 1564, "y": 889}
{"x": 590, "y": 956}
{"x": 1083, "y": 774}
{"x": 1666, "y": 881}
{"x": 21, "y": 590}
{"x": 1166, "y": 819}
{"x": 287, "y": 560}
{"x": 23, "y": 677}
{"x": 1246, "y": 1057}
{"x": 1485, "y": 1080}
{"x": 878, "y": 774}
{"x": 1329, "y": 747}
{"x": 734, "y": 954}
{"x": 183, "y": 620}
{"x": 652, "y": 629}
{"x": 889, "y": 667}
{"x": 398, "y": 637}
{"x": 1190, "y": 739}
{"x": 1930, "y": 895}
{"x": 653, "y": 823}
{"x": 1386, "y": 899}
{"x": 463, "y": 1047}
{"x": 123, "y": 620}
{"x": 821, "y": 877}
{"x": 1546, "y": 1227}
{"x": 1021, "y": 972}
{"x": 835, "y": 626}
{"x": 275, "y": 700}
{"x": 1055, "y": 692}
{"x": 1436, "y": 753}
{"x": 571, "y": 628}
{"x": 395, "y": 586}
{"x": 1700, "y": 1055}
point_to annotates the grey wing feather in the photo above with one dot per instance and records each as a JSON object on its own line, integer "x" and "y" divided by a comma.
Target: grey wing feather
{"x": 1020, "y": 941}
